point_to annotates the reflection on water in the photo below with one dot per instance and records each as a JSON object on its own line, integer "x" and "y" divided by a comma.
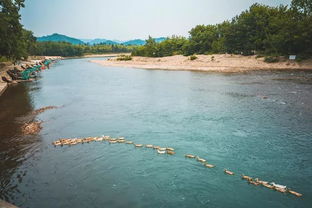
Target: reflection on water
{"x": 254, "y": 123}
{"x": 14, "y": 148}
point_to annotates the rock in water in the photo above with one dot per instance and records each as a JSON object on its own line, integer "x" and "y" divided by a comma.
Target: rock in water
{"x": 31, "y": 128}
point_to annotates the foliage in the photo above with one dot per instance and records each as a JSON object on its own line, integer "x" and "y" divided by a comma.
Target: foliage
{"x": 193, "y": 57}
{"x": 124, "y": 58}
{"x": 302, "y": 6}
{"x": 68, "y": 49}
{"x": 261, "y": 30}
{"x": 4, "y": 59}
{"x": 168, "y": 47}
{"x": 15, "y": 41}
{"x": 201, "y": 39}
{"x": 259, "y": 56}
{"x": 271, "y": 59}
{"x": 57, "y": 49}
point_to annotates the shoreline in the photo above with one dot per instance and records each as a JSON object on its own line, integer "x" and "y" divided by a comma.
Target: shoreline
{"x": 104, "y": 55}
{"x": 96, "y": 55}
{"x": 10, "y": 73}
{"x": 3, "y": 87}
{"x": 224, "y": 63}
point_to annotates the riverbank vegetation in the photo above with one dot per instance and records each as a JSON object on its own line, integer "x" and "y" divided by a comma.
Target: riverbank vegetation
{"x": 263, "y": 30}
{"x": 67, "y": 49}
{"x": 124, "y": 58}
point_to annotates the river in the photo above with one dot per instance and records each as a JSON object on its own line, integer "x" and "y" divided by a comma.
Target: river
{"x": 256, "y": 123}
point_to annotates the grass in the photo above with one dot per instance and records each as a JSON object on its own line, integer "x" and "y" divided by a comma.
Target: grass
{"x": 124, "y": 58}
{"x": 193, "y": 57}
{"x": 271, "y": 59}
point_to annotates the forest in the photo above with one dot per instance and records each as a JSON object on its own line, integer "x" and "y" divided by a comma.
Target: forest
{"x": 261, "y": 30}
{"x": 67, "y": 49}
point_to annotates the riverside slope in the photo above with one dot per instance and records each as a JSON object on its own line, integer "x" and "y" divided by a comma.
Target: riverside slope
{"x": 210, "y": 63}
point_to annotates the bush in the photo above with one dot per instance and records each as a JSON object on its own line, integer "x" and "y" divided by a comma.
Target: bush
{"x": 271, "y": 59}
{"x": 4, "y": 59}
{"x": 302, "y": 57}
{"x": 124, "y": 58}
{"x": 193, "y": 57}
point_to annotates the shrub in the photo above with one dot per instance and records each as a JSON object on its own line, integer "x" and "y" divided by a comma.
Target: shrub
{"x": 4, "y": 59}
{"x": 302, "y": 57}
{"x": 271, "y": 59}
{"x": 212, "y": 58}
{"x": 193, "y": 57}
{"x": 124, "y": 58}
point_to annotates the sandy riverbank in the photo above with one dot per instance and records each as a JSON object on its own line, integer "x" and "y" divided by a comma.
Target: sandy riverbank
{"x": 219, "y": 63}
{"x": 104, "y": 55}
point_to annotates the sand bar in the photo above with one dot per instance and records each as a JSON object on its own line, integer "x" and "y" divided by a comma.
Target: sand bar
{"x": 104, "y": 55}
{"x": 208, "y": 63}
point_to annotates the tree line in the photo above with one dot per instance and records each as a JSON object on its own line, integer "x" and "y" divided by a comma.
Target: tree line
{"x": 261, "y": 29}
{"x": 264, "y": 30}
{"x": 68, "y": 49}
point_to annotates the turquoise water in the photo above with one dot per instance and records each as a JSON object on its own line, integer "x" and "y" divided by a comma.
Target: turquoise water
{"x": 220, "y": 117}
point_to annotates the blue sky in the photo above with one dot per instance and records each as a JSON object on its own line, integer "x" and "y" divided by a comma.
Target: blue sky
{"x": 129, "y": 19}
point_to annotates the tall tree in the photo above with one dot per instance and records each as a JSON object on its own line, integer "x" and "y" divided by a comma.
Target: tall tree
{"x": 202, "y": 37}
{"x": 12, "y": 35}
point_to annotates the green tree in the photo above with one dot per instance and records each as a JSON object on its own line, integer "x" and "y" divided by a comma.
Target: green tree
{"x": 259, "y": 30}
{"x": 201, "y": 38}
{"x": 12, "y": 34}
{"x": 303, "y": 6}
{"x": 172, "y": 46}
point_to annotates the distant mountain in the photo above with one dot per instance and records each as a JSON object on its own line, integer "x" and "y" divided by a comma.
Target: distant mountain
{"x": 118, "y": 41}
{"x": 86, "y": 40}
{"x": 63, "y": 38}
{"x": 134, "y": 42}
{"x": 161, "y": 39}
{"x": 142, "y": 42}
{"x": 101, "y": 41}
{"x": 60, "y": 38}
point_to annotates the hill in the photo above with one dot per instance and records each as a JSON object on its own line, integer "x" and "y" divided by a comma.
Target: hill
{"x": 60, "y": 38}
{"x": 101, "y": 41}
{"x": 134, "y": 42}
{"x": 158, "y": 40}
{"x": 142, "y": 42}
{"x": 63, "y": 38}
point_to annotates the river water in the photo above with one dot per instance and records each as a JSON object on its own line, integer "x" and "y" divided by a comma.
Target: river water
{"x": 257, "y": 123}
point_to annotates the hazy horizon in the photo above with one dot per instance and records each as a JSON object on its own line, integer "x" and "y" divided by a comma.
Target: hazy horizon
{"x": 125, "y": 20}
